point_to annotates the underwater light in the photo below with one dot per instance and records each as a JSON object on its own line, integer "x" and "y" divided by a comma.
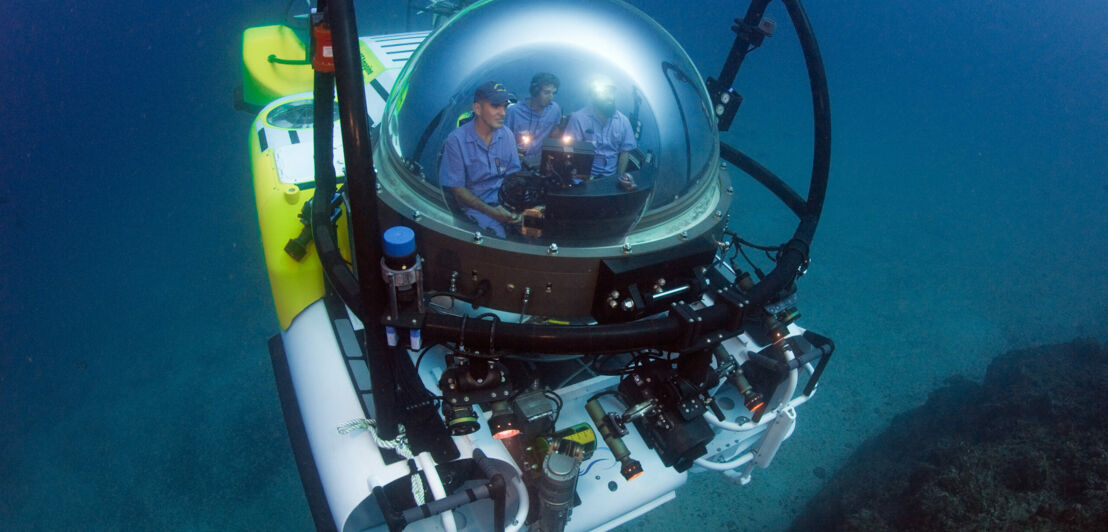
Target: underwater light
{"x": 630, "y": 469}
{"x": 753, "y": 400}
{"x": 603, "y": 87}
{"x": 502, "y": 424}
{"x": 460, "y": 420}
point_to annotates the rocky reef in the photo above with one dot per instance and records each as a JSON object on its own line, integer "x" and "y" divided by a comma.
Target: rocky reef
{"x": 1027, "y": 449}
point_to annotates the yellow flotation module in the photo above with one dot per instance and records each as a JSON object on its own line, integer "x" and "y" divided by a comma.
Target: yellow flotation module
{"x": 273, "y": 64}
{"x": 282, "y": 152}
{"x": 296, "y": 281}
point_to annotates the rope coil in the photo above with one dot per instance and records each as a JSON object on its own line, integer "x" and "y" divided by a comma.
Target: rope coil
{"x": 399, "y": 445}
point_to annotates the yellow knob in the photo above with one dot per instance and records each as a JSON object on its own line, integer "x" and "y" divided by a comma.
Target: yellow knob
{"x": 292, "y": 194}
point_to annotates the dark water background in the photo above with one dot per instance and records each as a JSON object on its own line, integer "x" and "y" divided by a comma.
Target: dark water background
{"x": 966, "y": 216}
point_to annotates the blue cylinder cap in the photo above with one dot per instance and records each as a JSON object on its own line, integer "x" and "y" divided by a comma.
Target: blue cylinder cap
{"x": 399, "y": 241}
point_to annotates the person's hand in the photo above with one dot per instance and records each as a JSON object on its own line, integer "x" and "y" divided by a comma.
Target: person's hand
{"x": 626, "y": 182}
{"x": 503, "y": 215}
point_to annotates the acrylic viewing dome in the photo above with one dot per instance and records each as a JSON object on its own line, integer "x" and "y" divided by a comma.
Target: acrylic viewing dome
{"x": 580, "y": 41}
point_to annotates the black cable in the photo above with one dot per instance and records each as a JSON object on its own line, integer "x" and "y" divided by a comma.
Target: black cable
{"x": 634, "y": 363}
{"x": 742, "y": 241}
{"x": 757, "y": 271}
{"x": 604, "y": 371}
{"x": 422, "y": 352}
{"x": 550, "y": 394}
{"x": 612, "y": 393}
{"x": 435, "y": 293}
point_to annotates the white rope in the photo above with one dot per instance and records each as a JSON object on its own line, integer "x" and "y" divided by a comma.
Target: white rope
{"x": 399, "y": 444}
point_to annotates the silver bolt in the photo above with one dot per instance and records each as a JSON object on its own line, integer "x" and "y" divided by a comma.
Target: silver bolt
{"x": 417, "y": 215}
{"x": 553, "y": 249}
{"x": 718, "y": 214}
{"x": 477, "y": 238}
{"x": 627, "y": 247}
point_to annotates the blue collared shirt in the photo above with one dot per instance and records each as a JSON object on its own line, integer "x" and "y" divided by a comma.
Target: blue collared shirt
{"x": 468, "y": 162}
{"x": 522, "y": 119}
{"x": 610, "y": 139}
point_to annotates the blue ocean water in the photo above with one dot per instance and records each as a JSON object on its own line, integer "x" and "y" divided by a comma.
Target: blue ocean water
{"x": 966, "y": 216}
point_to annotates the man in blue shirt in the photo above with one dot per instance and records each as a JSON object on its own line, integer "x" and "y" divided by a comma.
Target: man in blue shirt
{"x": 607, "y": 128}
{"x": 533, "y": 120}
{"x": 477, "y": 156}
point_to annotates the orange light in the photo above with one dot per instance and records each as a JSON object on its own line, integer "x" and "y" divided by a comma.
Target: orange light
{"x": 526, "y": 139}
{"x": 636, "y": 475}
{"x": 567, "y": 139}
{"x": 506, "y": 433}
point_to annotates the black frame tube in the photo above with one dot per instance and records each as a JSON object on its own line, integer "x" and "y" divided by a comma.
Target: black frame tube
{"x": 362, "y": 289}
{"x": 335, "y": 271}
{"x": 361, "y": 180}
{"x": 763, "y": 175}
{"x": 821, "y": 109}
{"x": 742, "y": 44}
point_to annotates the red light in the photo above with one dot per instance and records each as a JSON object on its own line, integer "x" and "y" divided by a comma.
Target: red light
{"x": 506, "y": 433}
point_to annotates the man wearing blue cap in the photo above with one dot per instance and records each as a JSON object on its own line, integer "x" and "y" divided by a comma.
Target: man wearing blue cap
{"x": 477, "y": 156}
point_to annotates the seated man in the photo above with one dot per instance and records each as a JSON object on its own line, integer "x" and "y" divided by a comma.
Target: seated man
{"x": 533, "y": 120}
{"x": 477, "y": 156}
{"x": 607, "y": 128}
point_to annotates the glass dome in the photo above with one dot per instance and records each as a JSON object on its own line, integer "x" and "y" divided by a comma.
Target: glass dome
{"x": 657, "y": 88}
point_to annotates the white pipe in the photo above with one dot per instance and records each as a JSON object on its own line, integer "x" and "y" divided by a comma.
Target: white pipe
{"x": 790, "y": 386}
{"x": 524, "y": 506}
{"x": 750, "y": 425}
{"x": 766, "y": 419}
{"x": 725, "y": 466}
{"x": 427, "y": 464}
{"x": 466, "y": 446}
{"x": 773, "y": 437}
